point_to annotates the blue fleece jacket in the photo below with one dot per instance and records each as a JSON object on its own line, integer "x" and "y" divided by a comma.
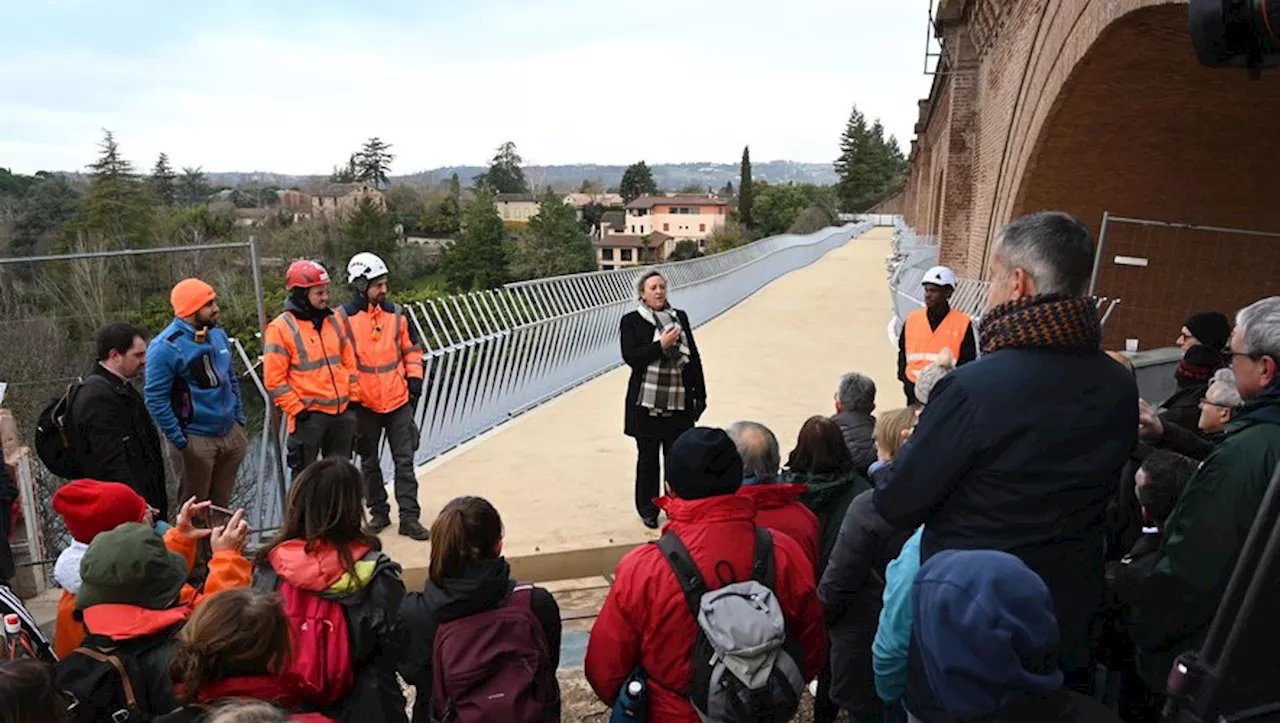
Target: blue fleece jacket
{"x": 893, "y": 636}
{"x": 191, "y": 386}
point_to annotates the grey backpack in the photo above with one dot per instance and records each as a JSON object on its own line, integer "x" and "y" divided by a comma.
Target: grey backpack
{"x": 746, "y": 665}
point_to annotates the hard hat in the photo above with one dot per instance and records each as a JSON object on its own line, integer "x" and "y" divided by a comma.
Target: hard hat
{"x": 303, "y": 274}
{"x": 940, "y": 276}
{"x": 365, "y": 265}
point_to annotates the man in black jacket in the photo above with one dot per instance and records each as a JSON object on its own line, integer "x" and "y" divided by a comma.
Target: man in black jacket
{"x": 115, "y": 439}
{"x": 855, "y": 401}
{"x": 1021, "y": 450}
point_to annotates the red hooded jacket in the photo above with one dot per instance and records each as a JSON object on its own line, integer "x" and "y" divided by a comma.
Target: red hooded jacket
{"x": 778, "y": 508}
{"x": 646, "y": 621}
{"x": 271, "y": 689}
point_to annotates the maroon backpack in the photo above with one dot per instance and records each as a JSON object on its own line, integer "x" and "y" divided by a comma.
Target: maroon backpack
{"x": 494, "y": 666}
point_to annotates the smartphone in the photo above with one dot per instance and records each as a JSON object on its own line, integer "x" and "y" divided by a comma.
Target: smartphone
{"x": 216, "y": 516}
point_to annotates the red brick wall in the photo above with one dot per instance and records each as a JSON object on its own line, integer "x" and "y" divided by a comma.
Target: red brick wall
{"x": 1086, "y": 106}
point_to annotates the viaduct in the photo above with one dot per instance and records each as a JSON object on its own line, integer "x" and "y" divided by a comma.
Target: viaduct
{"x": 1093, "y": 106}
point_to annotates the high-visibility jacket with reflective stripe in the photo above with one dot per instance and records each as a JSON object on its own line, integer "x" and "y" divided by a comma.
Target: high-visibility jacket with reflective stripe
{"x": 386, "y": 350}
{"x": 923, "y": 343}
{"x": 306, "y": 370}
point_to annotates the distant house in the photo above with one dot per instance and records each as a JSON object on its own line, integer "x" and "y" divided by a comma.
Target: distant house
{"x": 340, "y": 199}
{"x": 682, "y": 216}
{"x": 294, "y": 201}
{"x": 613, "y": 222}
{"x": 519, "y": 207}
{"x": 579, "y": 200}
{"x": 618, "y": 251}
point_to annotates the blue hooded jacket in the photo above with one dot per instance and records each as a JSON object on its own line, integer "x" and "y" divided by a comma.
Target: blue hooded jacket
{"x": 986, "y": 631}
{"x": 191, "y": 386}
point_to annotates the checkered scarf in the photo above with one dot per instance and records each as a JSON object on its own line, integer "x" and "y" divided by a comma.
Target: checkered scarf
{"x": 1055, "y": 321}
{"x": 663, "y": 386}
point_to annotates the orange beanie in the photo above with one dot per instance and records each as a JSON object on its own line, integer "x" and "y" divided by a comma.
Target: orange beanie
{"x": 189, "y": 296}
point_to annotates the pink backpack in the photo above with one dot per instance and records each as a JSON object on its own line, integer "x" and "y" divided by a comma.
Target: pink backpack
{"x": 321, "y": 646}
{"x": 494, "y": 666}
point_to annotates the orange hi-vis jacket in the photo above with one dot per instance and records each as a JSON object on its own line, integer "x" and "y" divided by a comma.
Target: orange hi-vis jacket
{"x": 923, "y": 343}
{"x": 305, "y": 370}
{"x": 386, "y": 350}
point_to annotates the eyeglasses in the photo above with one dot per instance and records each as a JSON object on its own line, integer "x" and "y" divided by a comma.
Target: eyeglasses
{"x": 1205, "y": 402}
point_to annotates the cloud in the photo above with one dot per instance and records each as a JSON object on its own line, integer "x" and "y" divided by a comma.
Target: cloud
{"x": 567, "y": 80}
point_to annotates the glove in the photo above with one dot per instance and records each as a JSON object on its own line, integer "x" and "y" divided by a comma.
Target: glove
{"x": 415, "y": 390}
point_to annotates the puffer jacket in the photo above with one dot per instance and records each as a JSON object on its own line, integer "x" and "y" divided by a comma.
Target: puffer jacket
{"x": 851, "y": 591}
{"x": 778, "y": 508}
{"x": 645, "y": 620}
{"x": 827, "y": 495}
{"x": 371, "y": 599}
{"x": 859, "y": 432}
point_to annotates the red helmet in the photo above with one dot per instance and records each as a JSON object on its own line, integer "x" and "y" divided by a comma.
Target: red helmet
{"x": 304, "y": 274}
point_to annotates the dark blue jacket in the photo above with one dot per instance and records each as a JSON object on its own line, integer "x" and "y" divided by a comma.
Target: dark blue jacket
{"x": 191, "y": 386}
{"x": 1021, "y": 451}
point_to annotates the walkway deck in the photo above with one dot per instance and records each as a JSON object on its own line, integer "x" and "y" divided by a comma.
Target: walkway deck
{"x": 561, "y": 475}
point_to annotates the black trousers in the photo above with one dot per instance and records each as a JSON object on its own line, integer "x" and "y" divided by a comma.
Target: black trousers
{"x": 648, "y": 472}
{"x": 320, "y": 434}
{"x": 402, "y": 438}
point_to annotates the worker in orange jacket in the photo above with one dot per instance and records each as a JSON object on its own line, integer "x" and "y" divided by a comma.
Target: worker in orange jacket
{"x": 927, "y": 331}
{"x": 389, "y": 367}
{"x": 309, "y": 370}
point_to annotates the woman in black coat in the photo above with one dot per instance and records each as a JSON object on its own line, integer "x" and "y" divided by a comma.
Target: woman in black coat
{"x": 667, "y": 392}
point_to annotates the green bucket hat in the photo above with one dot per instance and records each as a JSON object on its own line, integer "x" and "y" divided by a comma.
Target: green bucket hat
{"x": 130, "y": 566}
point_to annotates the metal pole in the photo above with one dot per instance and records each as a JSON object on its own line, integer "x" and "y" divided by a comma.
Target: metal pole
{"x": 256, "y": 264}
{"x": 120, "y": 252}
{"x": 1097, "y": 254}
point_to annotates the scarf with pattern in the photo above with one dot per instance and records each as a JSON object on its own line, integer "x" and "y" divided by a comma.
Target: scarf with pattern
{"x": 663, "y": 387}
{"x": 1047, "y": 321}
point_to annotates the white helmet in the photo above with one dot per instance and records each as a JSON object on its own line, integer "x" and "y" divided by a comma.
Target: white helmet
{"x": 938, "y": 275}
{"x": 365, "y": 265}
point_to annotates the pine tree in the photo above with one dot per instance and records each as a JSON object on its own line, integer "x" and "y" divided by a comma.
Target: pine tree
{"x": 637, "y": 181}
{"x": 455, "y": 189}
{"x": 369, "y": 228}
{"x": 554, "y": 243}
{"x": 478, "y": 257}
{"x": 115, "y": 204}
{"x": 505, "y": 174}
{"x": 193, "y": 189}
{"x": 373, "y": 162}
{"x": 162, "y": 181}
{"x": 349, "y": 173}
{"x": 856, "y": 165}
{"x": 746, "y": 192}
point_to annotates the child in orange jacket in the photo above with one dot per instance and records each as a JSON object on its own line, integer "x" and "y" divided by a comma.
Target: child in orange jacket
{"x": 90, "y": 507}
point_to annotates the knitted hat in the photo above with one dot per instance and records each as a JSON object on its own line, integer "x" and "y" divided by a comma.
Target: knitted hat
{"x": 90, "y": 507}
{"x": 190, "y": 296}
{"x": 703, "y": 462}
{"x": 130, "y": 566}
{"x": 1210, "y": 328}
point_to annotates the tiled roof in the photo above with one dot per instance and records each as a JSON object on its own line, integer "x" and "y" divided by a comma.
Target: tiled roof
{"x": 515, "y": 198}
{"x": 676, "y": 200}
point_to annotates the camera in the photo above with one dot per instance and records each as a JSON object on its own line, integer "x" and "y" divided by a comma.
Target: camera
{"x": 1236, "y": 33}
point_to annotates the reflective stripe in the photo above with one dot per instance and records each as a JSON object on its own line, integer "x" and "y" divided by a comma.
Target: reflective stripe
{"x": 342, "y": 339}
{"x": 415, "y": 347}
{"x": 318, "y": 401}
{"x": 305, "y": 363}
{"x": 922, "y": 357}
{"x": 388, "y": 367}
{"x": 318, "y": 364}
{"x": 279, "y": 391}
{"x": 275, "y": 349}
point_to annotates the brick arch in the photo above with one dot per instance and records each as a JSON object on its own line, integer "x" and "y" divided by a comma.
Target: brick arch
{"x": 1138, "y": 128}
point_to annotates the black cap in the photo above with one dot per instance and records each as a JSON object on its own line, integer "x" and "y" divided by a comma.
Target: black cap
{"x": 702, "y": 463}
{"x": 1210, "y": 328}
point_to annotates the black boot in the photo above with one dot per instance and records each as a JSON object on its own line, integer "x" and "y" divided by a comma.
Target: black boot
{"x": 414, "y": 530}
{"x": 378, "y": 521}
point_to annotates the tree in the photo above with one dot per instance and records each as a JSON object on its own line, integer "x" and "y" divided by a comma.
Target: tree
{"x": 405, "y": 199}
{"x": 115, "y": 204}
{"x": 746, "y": 192}
{"x": 455, "y": 189}
{"x": 553, "y": 244}
{"x": 369, "y": 228}
{"x": 637, "y": 181}
{"x": 49, "y": 204}
{"x": 505, "y": 174}
{"x": 162, "y": 181}
{"x": 193, "y": 188}
{"x": 478, "y": 257}
{"x": 692, "y": 188}
{"x": 778, "y": 207}
{"x": 869, "y": 167}
{"x": 727, "y": 191}
{"x": 349, "y": 173}
{"x": 373, "y": 162}
{"x": 684, "y": 251}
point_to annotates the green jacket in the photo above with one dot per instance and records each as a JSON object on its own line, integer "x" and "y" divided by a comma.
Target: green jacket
{"x": 828, "y": 496}
{"x": 1203, "y": 538}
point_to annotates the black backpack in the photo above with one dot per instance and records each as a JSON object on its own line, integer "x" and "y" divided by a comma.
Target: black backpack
{"x": 104, "y": 681}
{"x": 55, "y": 439}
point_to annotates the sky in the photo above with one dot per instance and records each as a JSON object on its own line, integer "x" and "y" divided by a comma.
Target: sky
{"x": 295, "y": 86}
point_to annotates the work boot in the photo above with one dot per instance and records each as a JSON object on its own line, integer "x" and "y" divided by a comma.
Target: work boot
{"x": 378, "y": 521}
{"x": 414, "y": 530}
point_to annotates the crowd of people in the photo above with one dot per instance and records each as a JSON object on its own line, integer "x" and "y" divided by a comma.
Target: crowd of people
{"x": 977, "y": 555}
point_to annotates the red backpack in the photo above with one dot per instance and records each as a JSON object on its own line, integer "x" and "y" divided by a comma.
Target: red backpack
{"x": 494, "y": 666}
{"x": 321, "y": 646}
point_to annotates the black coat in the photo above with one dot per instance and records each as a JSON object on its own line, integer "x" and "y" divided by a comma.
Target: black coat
{"x": 8, "y": 495}
{"x": 1021, "y": 451}
{"x": 639, "y": 350}
{"x": 484, "y": 586}
{"x": 1183, "y": 407}
{"x": 115, "y": 438}
{"x": 852, "y": 591}
{"x": 859, "y": 430}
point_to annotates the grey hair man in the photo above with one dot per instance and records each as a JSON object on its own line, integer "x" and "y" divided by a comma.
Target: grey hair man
{"x": 989, "y": 467}
{"x": 758, "y": 447}
{"x": 1220, "y": 405}
{"x": 1221, "y": 402}
{"x": 855, "y": 401}
{"x": 1207, "y": 529}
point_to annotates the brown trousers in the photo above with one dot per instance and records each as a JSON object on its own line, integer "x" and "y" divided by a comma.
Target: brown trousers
{"x": 207, "y": 467}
